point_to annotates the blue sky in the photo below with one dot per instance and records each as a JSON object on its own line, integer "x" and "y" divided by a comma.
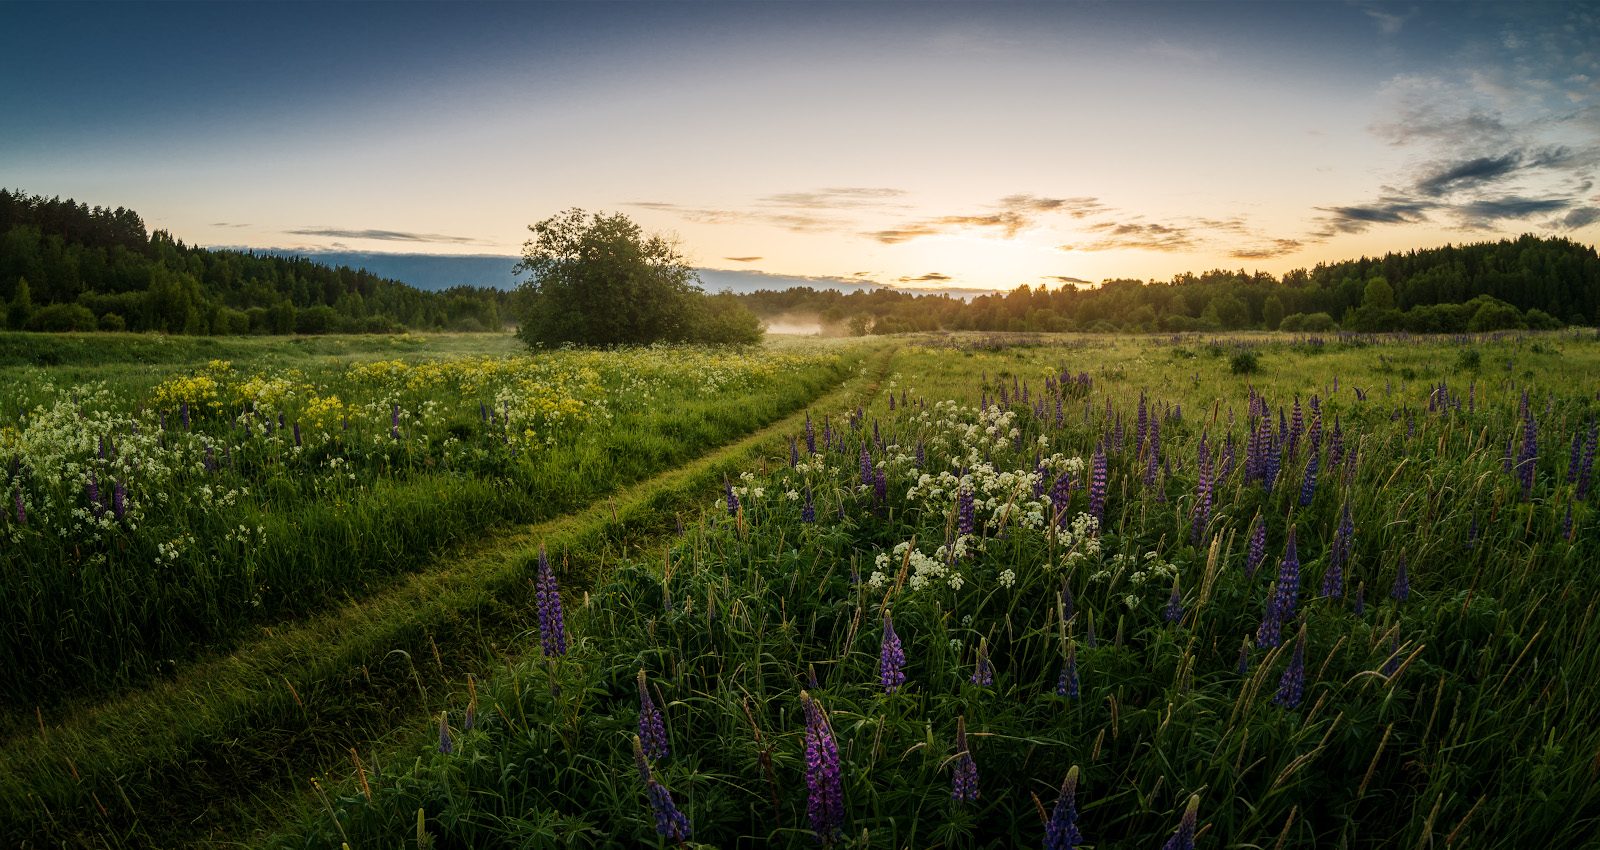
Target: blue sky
{"x": 917, "y": 144}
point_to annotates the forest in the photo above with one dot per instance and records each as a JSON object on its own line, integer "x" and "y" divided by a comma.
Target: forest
{"x": 1528, "y": 282}
{"x": 65, "y": 266}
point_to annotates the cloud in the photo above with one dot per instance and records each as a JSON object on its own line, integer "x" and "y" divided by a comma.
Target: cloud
{"x": 1008, "y": 217}
{"x": 227, "y": 224}
{"x": 1576, "y": 218}
{"x": 930, "y": 277}
{"x": 798, "y": 222}
{"x": 1075, "y": 281}
{"x": 1388, "y": 22}
{"x": 1468, "y": 174}
{"x": 1484, "y": 214}
{"x": 384, "y": 235}
{"x": 1151, "y": 236}
{"x": 847, "y": 198}
{"x": 1272, "y": 249}
{"x": 743, "y": 259}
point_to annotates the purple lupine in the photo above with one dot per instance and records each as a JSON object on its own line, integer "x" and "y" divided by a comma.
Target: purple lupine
{"x": 966, "y": 521}
{"x": 1243, "y": 667}
{"x": 1258, "y": 547}
{"x": 652, "y": 729}
{"x": 964, "y": 787}
{"x": 297, "y": 433}
{"x": 811, "y": 435}
{"x": 394, "y": 423}
{"x": 1183, "y": 839}
{"x": 866, "y": 466}
{"x": 891, "y": 658}
{"x": 1336, "y": 445}
{"x": 1288, "y": 580}
{"x": 825, "y": 803}
{"x": 794, "y": 453}
{"x": 1314, "y": 437}
{"x": 1528, "y": 460}
{"x": 922, "y": 455}
{"x": 1067, "y": 684}
{"x": 552, "y": 625}
{"x": 1361, "y": 599}
{"x": 1402, "y": 582}
{"x": 1202, "y": 502}
{"x": 880, "y": 487}
{"x": 446, "y": 744}
{"x": 1343, "y": 541}
{"x": 183, "y": 413}
{"x": 22, "y": 513}
{"x": 1292, "y": 687}
{"x": 1143, "y": 424}
{"x": 808, "y": 511}
{"x": 670, "y": 823}
{"x": 1566, "y": 524}
{"x": 1174, "y": 610}
{"x": 1097, "y": 484}
{"x": 119, "y": 501}
{"x": 1061, "y": 831}
{"x": 1577, "y": 455}
{"x": 1391, "y": 664}
{"x": 1296, "y": 428}
{"x": 733, "y": 498}
{"x": 983, "y": 672}
{"x": 1308, "y": 487}
{"x": 91, "y": 489}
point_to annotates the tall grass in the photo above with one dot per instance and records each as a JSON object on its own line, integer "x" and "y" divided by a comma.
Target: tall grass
{"x": 1457, "y": 706}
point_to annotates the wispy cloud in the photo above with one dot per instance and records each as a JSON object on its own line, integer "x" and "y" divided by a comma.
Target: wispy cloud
{"x": 930, "y": 277}
{"x": 743, "y": 259}
{"x": 1061, "y": 278}
{"x": 1269, "y": 250}
{"x": 833, "y": 199}
{"x": 799, "y": 222}
{"x": 227, "y": 224}
{"x": 384, "y": 235}
{"x": 1006, "y": 218}
{"x": 1149, "y": 236}
{"x": 1390, "y": 23}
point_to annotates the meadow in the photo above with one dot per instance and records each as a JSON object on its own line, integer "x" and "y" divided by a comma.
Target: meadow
{"x": 1225, "y": 592}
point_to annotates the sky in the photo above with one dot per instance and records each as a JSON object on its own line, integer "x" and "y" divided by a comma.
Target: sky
{"x": 963, "y": 145}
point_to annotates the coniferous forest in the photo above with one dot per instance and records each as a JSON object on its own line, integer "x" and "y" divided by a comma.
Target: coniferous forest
{"x": 66, "y": 266}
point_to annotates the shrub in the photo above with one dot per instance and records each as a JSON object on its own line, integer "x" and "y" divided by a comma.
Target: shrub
{"x": 1245, "y": 362}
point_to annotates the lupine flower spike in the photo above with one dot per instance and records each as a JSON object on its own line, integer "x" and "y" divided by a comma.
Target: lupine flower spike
{"x": 552, "y": 625}
{"x": 671, "y": 824}
{"x": 1292, "y": 687}
{"x": 1402, "y": 582}
{"x": 1174, "y": 610}
{"x": 825, "y": 799}
{"x": 983, "y": 674}
{"x": 446, "y": 745}
{"x": 733, "y": 499}
{"x": 1061, "y": 832}
{"x": 891, "y": 658}
{"x": 1183, "y": 839}
{"x": 652, "y": 731}
{"x": 964, "y": 788}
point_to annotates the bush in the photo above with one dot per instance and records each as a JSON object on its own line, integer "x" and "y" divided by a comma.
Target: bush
{"x": 62, "y": 317}
{"x": 112, "y": 323}
{"x": 1245, "y": 362}
{"x": 1306, "y": 323}
{"x": 1469, "y": 360}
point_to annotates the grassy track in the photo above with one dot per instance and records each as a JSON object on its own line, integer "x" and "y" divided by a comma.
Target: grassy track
{"x": 223, "y": 749}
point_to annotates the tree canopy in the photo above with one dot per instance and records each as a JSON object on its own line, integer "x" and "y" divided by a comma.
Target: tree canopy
{"x": 598, "y": 280}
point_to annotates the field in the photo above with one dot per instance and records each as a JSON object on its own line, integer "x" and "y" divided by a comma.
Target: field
{"x": 1314, "y": 592}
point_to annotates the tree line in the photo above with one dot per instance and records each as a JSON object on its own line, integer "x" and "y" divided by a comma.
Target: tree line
{"x": 1528, "y": 282}
{"x": 66, "y": 266}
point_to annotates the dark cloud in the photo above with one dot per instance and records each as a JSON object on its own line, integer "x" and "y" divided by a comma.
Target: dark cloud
{"x": 1075, "y": 281}
{"x": 1386, "y": 210}
{"x": 743, "y": 259}
{"x": 930, "y": 277}
{"x": 383, "y": 235}
{"x": 1272, "y": 249}
{"x": 1486, "y": 213}
{"x": 1468, "y": 174}
{"x": 1578, "y": 217}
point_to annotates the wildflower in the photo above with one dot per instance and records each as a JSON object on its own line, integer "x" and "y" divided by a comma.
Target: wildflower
{"x": 983, "y": 673}
{"x": 965, "y": 520}
{"x": 446, "y": 745}
{"x": 1061, "y": 832}
{"x": 808, "y": 512}
{"x": 22, "y": 513}
{"x": 891, "y": 658}
{"x": 1097, "y": 483}
{"x": 1174, "y": 610}
{"x": 670, "y": 823}
{"x": 1566, "y": 524}
{"x": 811, "y": 435}
{"x": 825, "y": 804}
{"x": 1391, "y": 665}
{"x": 652, "y": 730}
{"x": 1067, "y": 685}
{"x": 552, "y": 626}
{"x": 733, "y": 499}
{"x": 1183, "y": 839}
{"x": 964, "y": 788}
{"x": 1336, "y": 445}
{"x": 1202, "y": 504}
{"x": 1361, "y": 599}
{"x": 394, "y": 423}
{"x": 1529, "y": 457}
{"x": 1308, "y": 487}
{"x": 1258, "y": 546}
{"x": 119, "y": 501}
{"x": 1333, "y": 579}
{"x": 1293, "y": 684}
{"x": 92, "y": 491}
{"x": 1088, "y": 633}
{"x": 1244, "y": 657}
{"x": 1402, "y": 583}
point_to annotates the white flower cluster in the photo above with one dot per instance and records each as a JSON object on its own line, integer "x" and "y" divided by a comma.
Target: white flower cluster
{"x": 925, "y": 569}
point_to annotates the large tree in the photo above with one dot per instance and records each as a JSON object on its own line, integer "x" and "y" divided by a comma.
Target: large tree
{"x": 598, "y": 280}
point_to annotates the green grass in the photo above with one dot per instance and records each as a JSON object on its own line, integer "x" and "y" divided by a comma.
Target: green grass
{"x": 1464, "y": 713}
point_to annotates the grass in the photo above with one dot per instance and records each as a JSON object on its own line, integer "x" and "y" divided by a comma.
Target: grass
{"x": 222, "y": 748}
{"x": 1458, "y": 706}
